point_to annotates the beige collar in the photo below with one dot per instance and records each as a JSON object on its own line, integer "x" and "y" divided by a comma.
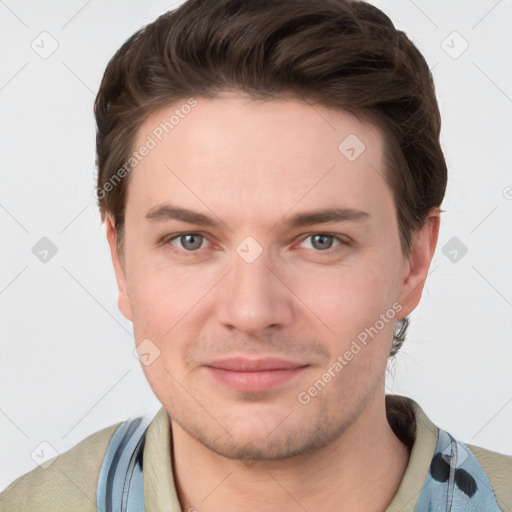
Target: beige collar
{"x": 419, "y": 460}
{"x": 160, "y": 492}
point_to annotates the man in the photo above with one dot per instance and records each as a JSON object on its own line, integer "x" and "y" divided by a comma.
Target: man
{"x": 270, "y": 176}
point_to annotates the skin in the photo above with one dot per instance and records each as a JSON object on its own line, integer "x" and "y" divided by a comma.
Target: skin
{"x": 251, "y": 165}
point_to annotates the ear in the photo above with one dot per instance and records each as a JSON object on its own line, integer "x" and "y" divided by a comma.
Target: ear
{"x": 416, "y": 267}
{"x": 123, "y": 300}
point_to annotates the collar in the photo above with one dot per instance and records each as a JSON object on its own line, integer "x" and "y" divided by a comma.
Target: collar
{"x": 412, "y": 426}
{"x": 405, "y": 416}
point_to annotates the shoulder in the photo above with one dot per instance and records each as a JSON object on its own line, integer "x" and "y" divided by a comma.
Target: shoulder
{"x": 498, "y": 468}
{"x": 67, "y": 482}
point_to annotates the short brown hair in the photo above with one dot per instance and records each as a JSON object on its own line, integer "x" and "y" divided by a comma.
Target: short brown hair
{"x": 344, "y": 54}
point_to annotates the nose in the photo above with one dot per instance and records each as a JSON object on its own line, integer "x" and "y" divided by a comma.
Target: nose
{"x": 254, "y": 297}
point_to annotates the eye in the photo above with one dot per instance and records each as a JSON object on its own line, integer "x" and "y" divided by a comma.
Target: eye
{"x": 192, "y": 242}
{"x": 189, "y": 242}
{"x": 322, "y": 242}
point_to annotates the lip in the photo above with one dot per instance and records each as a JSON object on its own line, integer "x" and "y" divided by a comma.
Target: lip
{"x": 254, "y": 375}
{"x": 242, "y": 364}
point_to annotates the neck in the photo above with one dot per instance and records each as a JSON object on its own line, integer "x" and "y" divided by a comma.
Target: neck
{"x": 361, "y": 470}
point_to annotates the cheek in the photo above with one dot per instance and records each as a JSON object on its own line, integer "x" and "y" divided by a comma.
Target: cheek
{"x": 160, "y": 302}
{"x": 162, "y": 295}
{"x": 348, "y": 299}
{"x": 170, "y": 306}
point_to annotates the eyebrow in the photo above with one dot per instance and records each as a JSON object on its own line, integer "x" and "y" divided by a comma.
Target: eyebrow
{"x": 165, "y": 212}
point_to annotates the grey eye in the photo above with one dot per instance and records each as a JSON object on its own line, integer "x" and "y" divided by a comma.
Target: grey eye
{"x": 322, "y": 242}
{"x": 190, "y": 241}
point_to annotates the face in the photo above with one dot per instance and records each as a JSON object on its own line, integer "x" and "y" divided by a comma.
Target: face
{"x": 263, "y": 272}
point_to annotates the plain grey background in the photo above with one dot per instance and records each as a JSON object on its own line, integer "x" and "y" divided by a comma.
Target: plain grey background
{"x": 67, "y": 367}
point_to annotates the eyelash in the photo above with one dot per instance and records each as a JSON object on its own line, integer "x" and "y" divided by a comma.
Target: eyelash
{"x": 343, "y": 241}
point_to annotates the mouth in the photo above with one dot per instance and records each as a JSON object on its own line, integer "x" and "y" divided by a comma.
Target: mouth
{"x": 254, "y": 375}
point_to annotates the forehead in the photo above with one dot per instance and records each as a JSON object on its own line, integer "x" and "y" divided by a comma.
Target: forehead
{"x": 236, "y": 152}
